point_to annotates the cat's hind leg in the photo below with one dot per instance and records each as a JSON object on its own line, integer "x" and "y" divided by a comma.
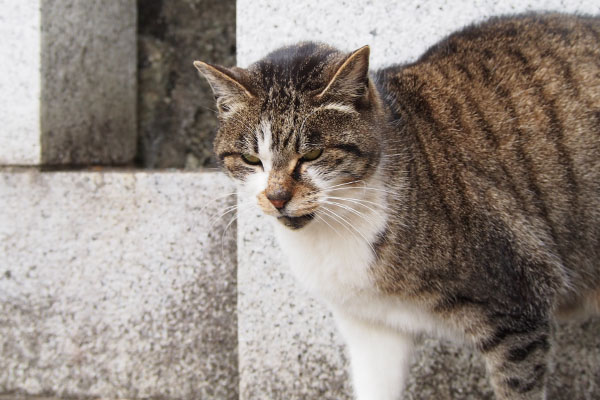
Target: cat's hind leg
{"x": 379, "y": 358}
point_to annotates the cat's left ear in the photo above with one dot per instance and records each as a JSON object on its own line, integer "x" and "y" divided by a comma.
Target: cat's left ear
{"x": 351, "y": 79}
{"x": 226, "y": 83}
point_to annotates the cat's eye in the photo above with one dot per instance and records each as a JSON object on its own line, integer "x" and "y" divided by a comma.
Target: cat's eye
{"x": 312, "y": 155}
{"x": 250, "y": 159}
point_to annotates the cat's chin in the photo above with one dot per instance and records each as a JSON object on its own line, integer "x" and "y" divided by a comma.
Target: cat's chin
{"x": 296, "y": 222}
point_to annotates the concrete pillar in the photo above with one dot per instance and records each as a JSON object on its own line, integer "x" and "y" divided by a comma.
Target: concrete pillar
{"x": 68, "y": 82}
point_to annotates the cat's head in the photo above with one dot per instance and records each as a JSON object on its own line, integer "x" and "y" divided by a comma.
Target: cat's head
{"x": 295, "y": 124}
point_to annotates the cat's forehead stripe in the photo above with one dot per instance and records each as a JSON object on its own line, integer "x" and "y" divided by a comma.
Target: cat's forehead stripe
{"x": 264, "y": 138}
{"x": 288, "y": 131}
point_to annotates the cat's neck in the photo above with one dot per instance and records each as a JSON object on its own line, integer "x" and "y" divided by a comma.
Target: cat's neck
{"x": 332, "y": 255}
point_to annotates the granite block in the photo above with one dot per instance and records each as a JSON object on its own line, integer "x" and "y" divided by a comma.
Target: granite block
{"x": 288, "y": 345}
{"x": 20, "y": 82}
{"x": 397, "y": 30}
{"x": 88, "y": 67}
{"x": 68, "y": 82}
{"x": 117, "y": 285}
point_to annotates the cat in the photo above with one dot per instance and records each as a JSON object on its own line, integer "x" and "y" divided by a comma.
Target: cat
{"x": 458, "y": 195}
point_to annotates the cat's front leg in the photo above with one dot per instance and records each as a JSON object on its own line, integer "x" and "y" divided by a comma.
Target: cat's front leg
{"x": 379, "y": 358}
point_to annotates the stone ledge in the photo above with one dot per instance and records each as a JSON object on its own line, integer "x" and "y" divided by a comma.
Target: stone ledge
{"x": 117, "y": 285}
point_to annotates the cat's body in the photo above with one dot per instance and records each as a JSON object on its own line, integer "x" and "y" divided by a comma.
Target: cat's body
{"x": 458, "y": 195}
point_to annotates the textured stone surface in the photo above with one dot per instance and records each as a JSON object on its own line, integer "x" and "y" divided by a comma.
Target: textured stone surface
{"x": 67, "y": 82}
{"x": 88, "y": 69}
{"x": 397, "y": 30}
{"x": 17, "y": 396}
{"x": 20, "y": 85}
{"x": 288, "y": 345}
{"x": 177, "y": 124}
{"x": 117, "y": 285}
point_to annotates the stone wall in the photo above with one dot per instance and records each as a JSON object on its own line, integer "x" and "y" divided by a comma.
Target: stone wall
{"x": 117, "y": 284}
{"x": 114, "y": 282}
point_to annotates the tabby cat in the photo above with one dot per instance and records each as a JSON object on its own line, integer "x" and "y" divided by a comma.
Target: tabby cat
{"x": 458, "y": 195}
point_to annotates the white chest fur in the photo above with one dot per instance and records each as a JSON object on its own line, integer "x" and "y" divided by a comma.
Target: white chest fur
{"x": 333, "y": 261}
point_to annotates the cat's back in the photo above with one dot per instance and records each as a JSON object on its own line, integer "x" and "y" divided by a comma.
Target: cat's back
{"x": 504, "y": 122}
{"x": 559, "y": 34}
{"x": 541, "y": 60}
{"x": 505, "y": 58}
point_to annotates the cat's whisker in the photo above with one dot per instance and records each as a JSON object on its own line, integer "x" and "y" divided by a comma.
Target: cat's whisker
{"x": 321, "y": 218}
{"x": 216, "y": 169}
{"x": 354, "y": 200}
{"x": 216, "y": 199}
{"x": 360, "y": 202}
{"x": 209, "y": 109}
{"x": 335, "y": 218}
{"x": 344, "y": 184}
{"x": 348, "y": 184}
{"x": 353, "y": 227}
{"x": 231, "y": 221}
{"x": 394, "y": 155}
{"x": 236, "y": 207}
{"x": 353, "y": 211}
{"x": 226, "y": 211}
{"x": 240, "y": 212}
{"x": 365, "y": 188}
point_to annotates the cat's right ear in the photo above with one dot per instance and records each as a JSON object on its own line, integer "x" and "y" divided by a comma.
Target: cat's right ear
{"x": 351, "y": 79}
{"x": 229, "y": 92}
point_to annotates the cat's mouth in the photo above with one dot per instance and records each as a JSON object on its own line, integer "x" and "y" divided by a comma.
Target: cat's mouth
{"x": 296, "y": 222}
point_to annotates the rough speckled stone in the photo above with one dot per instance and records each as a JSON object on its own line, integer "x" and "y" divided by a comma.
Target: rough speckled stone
{"x": 289, "y": 348}
{"x": 88, "y": 68}
{"x": 397, "y": 30}
{"x": 20, "y": 82}
{"x": 177, "y": 124}
{"x": 117, "y": 285}
{"x": 67, "y": 82}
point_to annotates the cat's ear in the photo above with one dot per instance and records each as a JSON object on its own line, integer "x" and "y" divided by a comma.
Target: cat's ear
{"x": 351, "y": 79}
{"x": 230, "y": 93}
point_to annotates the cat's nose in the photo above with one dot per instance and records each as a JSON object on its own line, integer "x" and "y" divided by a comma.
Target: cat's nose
{"x": 279, "y": 198}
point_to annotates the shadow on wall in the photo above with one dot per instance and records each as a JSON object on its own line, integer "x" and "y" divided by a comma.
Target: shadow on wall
{"x": 176, "y": 124}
